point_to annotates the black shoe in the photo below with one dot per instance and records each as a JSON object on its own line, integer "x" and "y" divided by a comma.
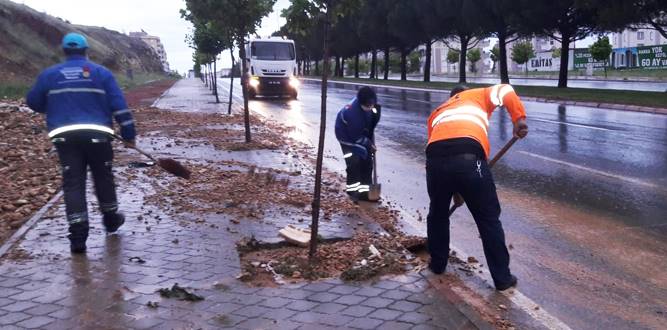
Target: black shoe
{"x": 77, "y": 247}
{"x": 437, "y": 267}
{"x": 511, "y": 284}
{"x": 354, "y": 196}
{"x": 113, "y": 221}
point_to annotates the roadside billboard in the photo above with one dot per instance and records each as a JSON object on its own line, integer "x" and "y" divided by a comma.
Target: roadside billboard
{"x": 652, "y": 57}
{"x": 582, "y": 59}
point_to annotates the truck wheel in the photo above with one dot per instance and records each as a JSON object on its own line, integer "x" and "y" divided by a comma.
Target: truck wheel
{"x": 294, "y": 95}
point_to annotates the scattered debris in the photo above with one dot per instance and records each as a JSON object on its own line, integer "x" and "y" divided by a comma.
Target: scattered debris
{"x": 152, "y": 304}
{"x": 179, "y": 293}
{"x": 294, "y": 235}
{"x": 137, "y": 260}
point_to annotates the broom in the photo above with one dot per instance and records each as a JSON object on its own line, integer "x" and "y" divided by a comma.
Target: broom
{"x": 491, "y": 163}
{"x": 168, "y": 164}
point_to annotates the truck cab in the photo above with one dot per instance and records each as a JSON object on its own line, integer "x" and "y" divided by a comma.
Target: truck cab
{"x": 272, "y": 66}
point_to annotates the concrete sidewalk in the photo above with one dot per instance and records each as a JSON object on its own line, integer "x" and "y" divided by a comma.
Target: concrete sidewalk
{"x": 43, "y": 286}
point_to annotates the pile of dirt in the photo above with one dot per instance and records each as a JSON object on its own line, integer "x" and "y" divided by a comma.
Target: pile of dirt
{"x": 363, "y": 257}
{"x": 145, "y": 95}
{"x": 29, "y": 174}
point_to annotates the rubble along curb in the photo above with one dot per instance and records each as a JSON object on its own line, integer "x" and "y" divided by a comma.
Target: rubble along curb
{"x": 613, "y": 106}
{"x": 18, "y": 235}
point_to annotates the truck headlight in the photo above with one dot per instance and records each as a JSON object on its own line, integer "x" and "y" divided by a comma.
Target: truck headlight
{"x": 295, "y": 83}
{"x": 254, "y": 82}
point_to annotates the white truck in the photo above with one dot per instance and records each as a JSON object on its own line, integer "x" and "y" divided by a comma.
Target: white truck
{"x": 272, "y": 66}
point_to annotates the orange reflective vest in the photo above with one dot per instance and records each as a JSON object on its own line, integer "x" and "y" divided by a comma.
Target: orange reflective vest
{"x": 467, "y": 114}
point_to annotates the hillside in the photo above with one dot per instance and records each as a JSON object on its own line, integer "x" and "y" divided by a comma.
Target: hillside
{"x": 30, "y": 42}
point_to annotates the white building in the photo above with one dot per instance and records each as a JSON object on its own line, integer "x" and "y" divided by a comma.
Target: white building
{"x": 155, "y": 43}
{"x": 440, "y": 65}
{"x": 637, "y": 38}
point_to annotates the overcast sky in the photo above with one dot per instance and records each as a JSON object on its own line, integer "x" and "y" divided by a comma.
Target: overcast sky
{"x": 157, "y": 17}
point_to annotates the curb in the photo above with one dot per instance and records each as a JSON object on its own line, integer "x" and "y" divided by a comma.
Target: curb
{"x": 18, "y": 235}
{"x": 613, "y": 106}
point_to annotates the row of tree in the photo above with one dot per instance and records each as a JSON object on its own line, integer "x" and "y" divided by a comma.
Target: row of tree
{"x": 401, "y": 26}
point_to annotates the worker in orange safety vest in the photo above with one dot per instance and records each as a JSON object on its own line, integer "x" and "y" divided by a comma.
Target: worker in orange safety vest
{"x": 456, "y": 166}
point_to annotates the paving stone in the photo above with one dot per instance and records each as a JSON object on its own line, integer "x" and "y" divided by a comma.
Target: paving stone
{"x": 377, "y": 302}
{"x": 308, "y": 317}
{"x": 6, "y": 301}
{"x": 36, "y": 322}
{"x": 27, "y": 295}
{"x": 425, "y": 327}
{"x": 386, "y": 284}
{"x": 12, "y": 318}
{"x": 393, "y": 325}
{"x": 225, "y": 308}
{"x": 350, "y": 299}
{"x": 335, "y": 320}
{"x": 344, "y": 289}
{"x": 43, "y": 309}
{"x": 19, "y": 306}
{"x": 415, "y": 318}
{"x": 257, "y": 323}
{"x": 396, "y": 294}
{"x": 146, "y": 323}
{"x": 365, "y": 323}
{"x": 323, "y": 297}
{"x": 329, "y": 308}
{"x": 251, "y": 311}
{"x": 357, "y": 311}
{"x": 275, "y": 302}
{"x": 385, "y": 314}
{"x": 370, "y": 292}
{"x": 301, "y": 305}
{"x": 318, "y": 287}
{"x": 9, "y": 292}
{"x": 279, "y": 314}
{"x": 405, "y": 306}
{"x": 13, "y": 282}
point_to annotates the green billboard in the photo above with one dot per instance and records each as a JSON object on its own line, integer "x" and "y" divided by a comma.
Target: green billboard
{"x": 652, "y": 57}
{"x": 583, "y": 57}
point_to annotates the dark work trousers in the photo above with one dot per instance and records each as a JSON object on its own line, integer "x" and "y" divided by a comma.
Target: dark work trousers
{"x": 471, "y": 177}
{"x": 78, "y": 152}
{"x": 359, "y": 173}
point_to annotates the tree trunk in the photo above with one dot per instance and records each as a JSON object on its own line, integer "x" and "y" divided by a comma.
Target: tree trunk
{"x": 206, "y": 75}
{"x": 215, "y": 79}
{"x": 404, "y": 65}
{"x": 337, "y": 66}
{"x": 427, "y": 62}
{"x": 386, "y": 63}
{"x": 231, "y": 83}
{"x": 315, "y": 206}
{"x": 356, "y": 66}
{"x": 374, "y": 59}
{"x": 317, "y": 66}
{"x": 564, "y": 58}
{"x": 502, "y": 52}
{"x": 244, "y": 84}
{"x": 462, "y": 59}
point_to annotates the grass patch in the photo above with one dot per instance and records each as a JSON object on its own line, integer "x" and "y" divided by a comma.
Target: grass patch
{"x": 647, "y": 99}
{"x": 13, "y": 91}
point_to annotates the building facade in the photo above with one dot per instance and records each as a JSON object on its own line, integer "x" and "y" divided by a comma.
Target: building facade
{"x": 155, "y": 43}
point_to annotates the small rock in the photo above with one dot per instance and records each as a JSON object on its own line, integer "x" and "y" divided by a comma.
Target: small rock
{"x": 20, "y": 202}
{"x": 255, "y": 263}
{"x": 503, "y": 307}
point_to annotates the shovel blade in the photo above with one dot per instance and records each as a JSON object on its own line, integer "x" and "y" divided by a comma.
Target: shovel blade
{"x": 374, "y": 192}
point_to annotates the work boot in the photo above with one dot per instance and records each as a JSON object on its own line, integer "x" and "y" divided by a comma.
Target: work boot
{"x": 512, "y": 283}
{"x": 112, "y": 221}
{"x": 78, "y": 234}
{"x": 354, "y": 196}
{"x": 437, "y": 267}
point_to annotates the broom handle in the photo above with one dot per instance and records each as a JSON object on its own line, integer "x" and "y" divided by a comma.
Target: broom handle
{"x": 493, "y": 161}
{"x": 119, "y": 138}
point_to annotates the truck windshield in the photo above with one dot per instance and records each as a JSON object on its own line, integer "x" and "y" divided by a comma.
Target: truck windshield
{"x": 280, "y": 51}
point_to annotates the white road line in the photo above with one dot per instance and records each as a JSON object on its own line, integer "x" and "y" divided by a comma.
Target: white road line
{"x": 591, "y": 170}
{"x": 569, "y": 124}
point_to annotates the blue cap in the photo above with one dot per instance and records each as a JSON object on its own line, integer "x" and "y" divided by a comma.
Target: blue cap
{"x": 74, "y": 41}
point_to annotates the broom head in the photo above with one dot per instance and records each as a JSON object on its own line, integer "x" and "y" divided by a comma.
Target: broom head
{"x": 174, "y": 167}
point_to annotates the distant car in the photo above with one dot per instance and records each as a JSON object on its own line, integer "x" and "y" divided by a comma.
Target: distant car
{"x": 272, "y": 64}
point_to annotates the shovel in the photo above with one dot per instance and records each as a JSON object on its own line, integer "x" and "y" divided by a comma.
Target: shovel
{"x": 375, "y": 188}
{"x": 493, "y": 161}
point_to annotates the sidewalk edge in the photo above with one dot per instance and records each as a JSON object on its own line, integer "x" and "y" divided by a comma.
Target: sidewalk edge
{"x": 18, "y": 235}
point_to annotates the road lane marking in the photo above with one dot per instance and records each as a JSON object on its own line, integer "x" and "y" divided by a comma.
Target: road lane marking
{"x": 570, "y": 124}
{"x": 591, "y": 170}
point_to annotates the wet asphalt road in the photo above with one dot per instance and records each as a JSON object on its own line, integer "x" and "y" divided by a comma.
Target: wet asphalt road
{"x": 584, "y": 197}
